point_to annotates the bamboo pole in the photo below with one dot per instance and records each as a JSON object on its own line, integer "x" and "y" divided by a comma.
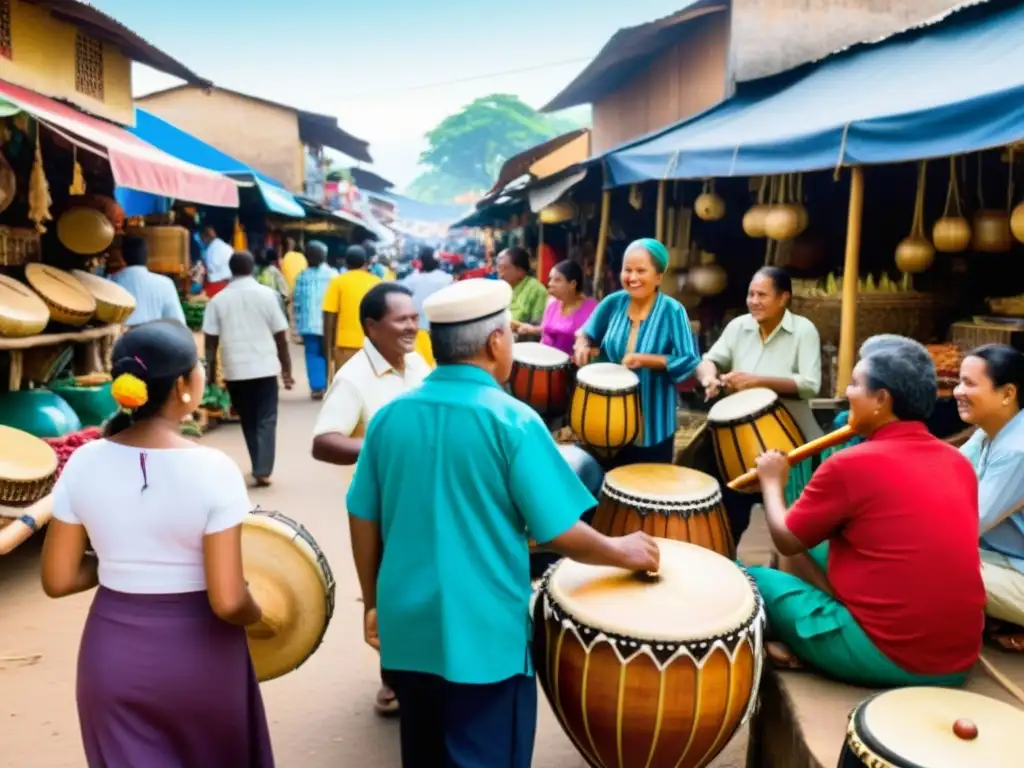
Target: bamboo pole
{"x": 851, "y": 270}
{"x": 540, "y": 250}
{"x": 602, "y": 242}
{"x": 659, "y": 225}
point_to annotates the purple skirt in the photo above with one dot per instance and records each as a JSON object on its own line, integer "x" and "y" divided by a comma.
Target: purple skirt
{"x": 164, "y": 683}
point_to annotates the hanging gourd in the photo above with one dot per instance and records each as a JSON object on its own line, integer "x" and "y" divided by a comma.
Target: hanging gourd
{"x": 915, "y": 254}
{"x": 753, "y": 219}
{"x": 991, "y": 225}
{"x": 783, "y": 220}
{"x": 952, "y": 232}
{"x": 1017, "y": 216}
{"x": 803, "y": 217}
{"x": 708, "y": 205}
{"x": 708, "y": 279}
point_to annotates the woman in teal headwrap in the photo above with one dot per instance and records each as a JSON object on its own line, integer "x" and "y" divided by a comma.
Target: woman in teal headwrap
{"x": 645, "y": 330}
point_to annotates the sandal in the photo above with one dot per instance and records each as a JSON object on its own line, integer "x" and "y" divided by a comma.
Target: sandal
{"x": 781, "y": 657}
{"x": 386, "y": 704}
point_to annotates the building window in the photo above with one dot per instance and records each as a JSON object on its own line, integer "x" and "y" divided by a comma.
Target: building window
{"x": 89, "y": 66}
{"x": 5, "y": 28}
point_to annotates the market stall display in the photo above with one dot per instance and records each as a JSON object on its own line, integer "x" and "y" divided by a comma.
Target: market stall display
{"x": 85, "y": 231}
{"x": 67, "y": 299}
{"x": 167, "y": 246}
{"x": 38, "y": 412}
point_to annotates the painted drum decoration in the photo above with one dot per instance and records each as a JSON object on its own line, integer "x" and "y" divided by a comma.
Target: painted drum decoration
{"x": 932, "y": 728}
{"x": 667, "y": 502}
{"x": 605, "y": 411}
{"x": 541, "y": 378}
{"x": 291, "y": 580}
{"x": 650, "y": 672}
{"x": 747, "y": 424}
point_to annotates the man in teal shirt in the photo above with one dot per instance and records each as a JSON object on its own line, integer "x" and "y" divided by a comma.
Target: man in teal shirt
{"x": 452, "y": 481}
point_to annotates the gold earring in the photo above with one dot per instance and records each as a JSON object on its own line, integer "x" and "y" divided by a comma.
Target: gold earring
{"x": 186, "y": 398}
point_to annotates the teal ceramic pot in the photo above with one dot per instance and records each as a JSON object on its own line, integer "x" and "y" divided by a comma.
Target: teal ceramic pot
{"x": 39, "y": 412}
{"x": 94, "y": 405}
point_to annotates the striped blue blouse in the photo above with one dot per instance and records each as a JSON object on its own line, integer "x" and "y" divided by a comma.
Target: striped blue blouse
{"x": 666, "y": 331}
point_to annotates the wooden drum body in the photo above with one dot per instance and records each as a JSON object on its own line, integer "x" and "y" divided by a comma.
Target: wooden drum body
{"x": 541, "y": 378}
{"x": 605, "y": 411}
{"x": 667, "y": 502}
{"x": 292, "y": 582}
{"x": 747, "y": 424}
{"x": 650, "y": 674}
{"x": 932, "y": 728}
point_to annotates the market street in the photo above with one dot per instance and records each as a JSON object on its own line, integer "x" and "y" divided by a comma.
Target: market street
{"x": 320, "y": 716}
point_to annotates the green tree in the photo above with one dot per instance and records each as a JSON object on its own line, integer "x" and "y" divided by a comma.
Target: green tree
{"x": 466, "y": 150}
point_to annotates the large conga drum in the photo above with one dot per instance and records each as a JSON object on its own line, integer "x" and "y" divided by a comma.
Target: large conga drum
{"x": 648, "y": 673}
{"x": 605, "y": 411}
{"x": 745, "y": 425}
{"x": 290, "y": 579}
{"x": 667, "y": 502}
{"x": 932, "y": 728}
{"x": 541, "y": 378}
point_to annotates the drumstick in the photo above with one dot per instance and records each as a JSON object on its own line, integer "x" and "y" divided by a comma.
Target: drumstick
{"x": 1002, "y": 679}
{"x": 797, "y": 455}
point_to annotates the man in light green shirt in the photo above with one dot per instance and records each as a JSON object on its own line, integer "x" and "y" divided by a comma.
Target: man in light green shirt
{"x": 773, "y": 348}
{"x": 529, "y": 296}
{"x": 452, "y": 481}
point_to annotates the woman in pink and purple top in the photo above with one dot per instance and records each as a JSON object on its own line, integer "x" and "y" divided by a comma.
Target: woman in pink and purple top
{"x": 568, "y": 310}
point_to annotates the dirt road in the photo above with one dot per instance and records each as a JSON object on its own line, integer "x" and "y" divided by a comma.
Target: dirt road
{"x": 321, "y": 715}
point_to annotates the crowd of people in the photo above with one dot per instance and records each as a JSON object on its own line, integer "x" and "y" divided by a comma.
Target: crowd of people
{"x": 889, "y": 554}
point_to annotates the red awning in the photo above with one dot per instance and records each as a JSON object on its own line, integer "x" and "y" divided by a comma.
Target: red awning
{"x": 134, "y": 163}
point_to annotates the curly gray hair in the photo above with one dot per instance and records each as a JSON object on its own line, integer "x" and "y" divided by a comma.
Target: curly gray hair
{"x": 903, "y": 368}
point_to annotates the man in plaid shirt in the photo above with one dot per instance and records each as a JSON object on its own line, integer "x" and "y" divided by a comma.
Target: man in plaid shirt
{"x": 308, "y": 299}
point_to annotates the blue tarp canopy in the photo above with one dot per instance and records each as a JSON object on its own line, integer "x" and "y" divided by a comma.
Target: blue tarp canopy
{"x": 953, "y": 87}
{"x": 185, "y": 146}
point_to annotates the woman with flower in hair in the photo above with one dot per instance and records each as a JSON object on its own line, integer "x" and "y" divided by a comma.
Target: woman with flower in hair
{"x": 164, "y": 675}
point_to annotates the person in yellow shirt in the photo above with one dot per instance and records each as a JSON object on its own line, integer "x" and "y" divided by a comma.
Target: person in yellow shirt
{"x": 293, "y": 263}
{"x": 343, "y": 332}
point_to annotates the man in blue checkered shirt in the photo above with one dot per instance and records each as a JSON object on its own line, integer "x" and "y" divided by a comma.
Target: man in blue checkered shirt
{"x": 308, "y": 299}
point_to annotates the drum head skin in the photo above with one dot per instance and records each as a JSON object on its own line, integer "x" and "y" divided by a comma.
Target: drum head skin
{"x": 60, "y": 288}
{"x": 914, "y": 727}
{"x": 742, "y": 405}
{"x": 697, "y": 595}
{"x": 538, "y": 355}
{"x": 607, "y": 377}
{"x": 104, "y": 290}
{"x": 24, "y": 458}
{"x": 287, "y": 578}
{"x": 21, "y": 309}
{"x": 662, "y": 483}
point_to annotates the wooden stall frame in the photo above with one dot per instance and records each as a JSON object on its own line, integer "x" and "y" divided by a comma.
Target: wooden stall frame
{"x": 602, "y": 237}
{"x": 92, "y": 336}
{"x": 851, "y": 270}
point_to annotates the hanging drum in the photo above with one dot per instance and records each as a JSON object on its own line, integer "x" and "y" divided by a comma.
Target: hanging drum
{"x": 605, "y": 411}
{"x": 667, "y": 502}
{"x": 291, "y": 581}
{"x": 540, "y": 378}
{"x": 747, "y": 424}
{"x": 646, "y": 673}
{"x": 67, "y": 299}
{"x": 85, "y": 231}
{"x": 932, "y": 728}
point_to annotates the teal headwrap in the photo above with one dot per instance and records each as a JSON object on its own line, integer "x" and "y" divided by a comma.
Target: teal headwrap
{"x": 658, "y": 252}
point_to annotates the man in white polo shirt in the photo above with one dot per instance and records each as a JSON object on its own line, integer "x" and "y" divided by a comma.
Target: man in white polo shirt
{"x": 383, "y": 369}
{"x": 246, "y": 323}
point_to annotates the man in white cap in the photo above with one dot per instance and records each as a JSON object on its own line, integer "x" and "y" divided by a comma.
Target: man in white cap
{"x": 452, "y": 480}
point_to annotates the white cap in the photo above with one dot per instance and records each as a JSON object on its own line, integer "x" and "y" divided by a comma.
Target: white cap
{"x": 468, "y": 300}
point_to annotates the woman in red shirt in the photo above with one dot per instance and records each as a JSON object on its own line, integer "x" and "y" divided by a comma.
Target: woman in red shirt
{"x": 879, "y": 577}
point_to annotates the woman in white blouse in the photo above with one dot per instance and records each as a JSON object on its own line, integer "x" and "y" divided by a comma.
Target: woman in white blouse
{"x": 164, "y": 675}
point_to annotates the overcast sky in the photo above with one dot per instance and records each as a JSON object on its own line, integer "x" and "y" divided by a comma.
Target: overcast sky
{"x": 385, "y": 68}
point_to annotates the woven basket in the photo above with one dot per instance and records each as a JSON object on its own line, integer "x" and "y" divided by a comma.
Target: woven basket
{"x": 911, "y": 314}
{"x": 18, "y": 246}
